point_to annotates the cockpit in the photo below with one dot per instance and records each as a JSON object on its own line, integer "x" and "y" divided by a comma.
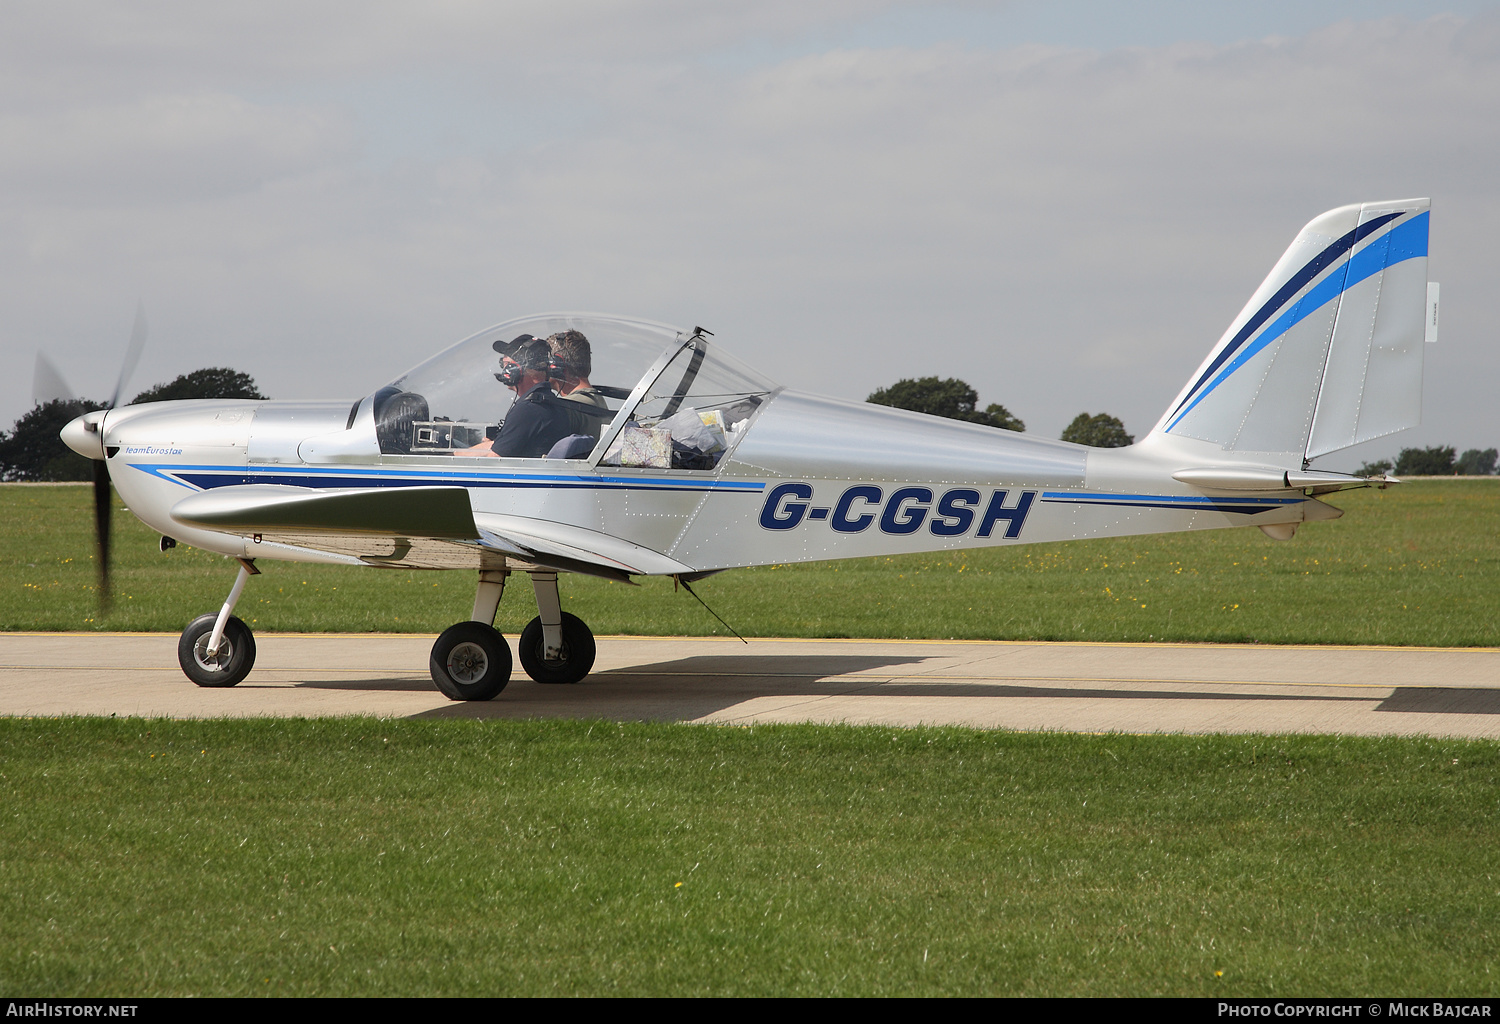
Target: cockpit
{"x": 620, "y": 392}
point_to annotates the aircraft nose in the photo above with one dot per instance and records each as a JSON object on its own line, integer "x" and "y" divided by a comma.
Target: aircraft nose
{"x": 85, "y": 435}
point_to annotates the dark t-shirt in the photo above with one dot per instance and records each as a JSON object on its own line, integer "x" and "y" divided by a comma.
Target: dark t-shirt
{"x": 536, "y": 422}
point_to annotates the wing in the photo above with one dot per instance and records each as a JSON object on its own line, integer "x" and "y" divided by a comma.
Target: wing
{"x": 415, "y": 527}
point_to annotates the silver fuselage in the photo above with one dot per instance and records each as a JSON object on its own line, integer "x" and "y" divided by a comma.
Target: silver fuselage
{"x": 813, "y": 479}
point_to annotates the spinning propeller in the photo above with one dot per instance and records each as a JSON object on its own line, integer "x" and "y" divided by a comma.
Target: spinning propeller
{"x": 85, "y": 436}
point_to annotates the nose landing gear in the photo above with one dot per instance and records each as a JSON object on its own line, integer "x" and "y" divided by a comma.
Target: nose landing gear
{"x": 219, "y": 650}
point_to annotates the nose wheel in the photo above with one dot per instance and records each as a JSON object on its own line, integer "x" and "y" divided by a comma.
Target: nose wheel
{"x": 219, "y": 650}
{"x": 226, "y": 666}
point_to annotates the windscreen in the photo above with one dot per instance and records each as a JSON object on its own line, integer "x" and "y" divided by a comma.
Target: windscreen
{"x": 694, "y": 413}
{"x": 454, "y": 405}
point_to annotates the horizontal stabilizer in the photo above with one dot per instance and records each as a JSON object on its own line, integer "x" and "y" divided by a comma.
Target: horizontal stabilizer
{"x": 1262, "y": 478}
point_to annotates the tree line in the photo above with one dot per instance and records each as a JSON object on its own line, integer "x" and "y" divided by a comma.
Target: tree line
{"x": 32, "y": 450}
{"x": 956, "y": 400}
{"x": 1442, "y": 460}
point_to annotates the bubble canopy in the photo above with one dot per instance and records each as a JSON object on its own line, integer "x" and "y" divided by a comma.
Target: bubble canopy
{"x": 648, "y": 375}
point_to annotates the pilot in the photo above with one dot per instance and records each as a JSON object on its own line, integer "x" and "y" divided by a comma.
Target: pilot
{"x": 537, "y": 420}
{"x": 572, "y": 361}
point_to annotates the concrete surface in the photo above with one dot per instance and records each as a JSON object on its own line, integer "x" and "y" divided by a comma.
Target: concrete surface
{"x": 1138, "y": 688}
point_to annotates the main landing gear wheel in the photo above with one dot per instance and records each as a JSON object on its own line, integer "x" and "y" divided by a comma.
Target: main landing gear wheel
{"x": 231, "y": 663}
{"x": 577, "y": 651}
{"x": 470, "y": 661}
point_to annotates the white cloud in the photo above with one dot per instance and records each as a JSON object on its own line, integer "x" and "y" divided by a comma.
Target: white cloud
{"x": 1066, "y": 229}
{"x": 87, "y": 42}
{"x": 169, "y": 149}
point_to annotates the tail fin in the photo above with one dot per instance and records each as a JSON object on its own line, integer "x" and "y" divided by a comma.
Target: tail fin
{"x": 1328, "y": 352}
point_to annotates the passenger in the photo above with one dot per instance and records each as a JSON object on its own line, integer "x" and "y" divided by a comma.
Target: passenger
{"x": 572, "y": 361}
{"x": 537, "y": 420}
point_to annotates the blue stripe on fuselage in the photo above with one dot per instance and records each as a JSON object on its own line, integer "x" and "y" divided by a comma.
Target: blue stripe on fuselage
{"x": 1192, "y": 503}
{"x": 209, "y": 477}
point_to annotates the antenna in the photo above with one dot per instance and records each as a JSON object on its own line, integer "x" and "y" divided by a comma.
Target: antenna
{"x": 690, "y": 590}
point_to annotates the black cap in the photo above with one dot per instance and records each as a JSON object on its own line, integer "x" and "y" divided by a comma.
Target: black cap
{"x": 531, "y": 352}
{"x": 505, "y": 348}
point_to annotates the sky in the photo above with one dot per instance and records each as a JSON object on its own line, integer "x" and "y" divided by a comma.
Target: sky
{"x": 1062, "y": 203}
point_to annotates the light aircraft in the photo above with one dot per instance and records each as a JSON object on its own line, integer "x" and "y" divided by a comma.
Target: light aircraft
{"x": 695, "y": 463}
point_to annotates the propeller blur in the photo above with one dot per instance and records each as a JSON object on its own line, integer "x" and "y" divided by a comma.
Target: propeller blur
{"x": 86, "y": 437}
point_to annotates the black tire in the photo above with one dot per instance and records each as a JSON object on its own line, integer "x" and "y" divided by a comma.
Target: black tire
{"x": 235, "y": 659}
{"x": 470, "y": 661}
{"x": 577, "y": 651}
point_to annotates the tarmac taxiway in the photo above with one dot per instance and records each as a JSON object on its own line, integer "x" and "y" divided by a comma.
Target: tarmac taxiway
{"x": 1075, "y": 687}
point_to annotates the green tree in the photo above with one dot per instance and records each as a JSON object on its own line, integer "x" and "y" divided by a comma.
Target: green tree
{"x": 1380, "y": 468}
{"x": 949, "y": 397}
{"x": 1425, "y": 461}
{"x": 1100, "y": 431}
{"x": 212, "y": 382}
{"x": 34, "y": 451}
{"x": 1477, "y": 463}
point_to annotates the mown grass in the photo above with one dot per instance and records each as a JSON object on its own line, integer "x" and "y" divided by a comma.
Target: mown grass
{"x": 457, "y": 857}
{"x": 1414, "y": 565}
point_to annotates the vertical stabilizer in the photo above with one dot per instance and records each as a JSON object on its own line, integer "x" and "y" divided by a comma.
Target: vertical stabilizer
{"x": 1328, "y": 352}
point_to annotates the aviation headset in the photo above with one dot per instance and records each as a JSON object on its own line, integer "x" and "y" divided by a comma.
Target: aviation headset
{"x": 510, "y": 374}
{"x": 570, "y": 357}
{"x": 526, "y": 352}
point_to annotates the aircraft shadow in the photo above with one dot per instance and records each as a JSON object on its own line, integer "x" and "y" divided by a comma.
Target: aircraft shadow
{"x": 1443, "y": 700}
{"x": 672, "y": 691}
{"x": 789, "y": 667}
{"x": 419, "y": 684}
{"x": 695, "y": 687}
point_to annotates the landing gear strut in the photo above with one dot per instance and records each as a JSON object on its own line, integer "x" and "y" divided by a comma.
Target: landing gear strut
{"x": 471, "y": 660}
{"x": 219, "y": 650}
{"x": 555, "y": 647}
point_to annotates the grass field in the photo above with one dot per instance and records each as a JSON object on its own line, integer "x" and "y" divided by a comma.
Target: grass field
{"x": 369, "y": 857}
{"x": 364, "y": 857}
{"x": 1414, "y": 565}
